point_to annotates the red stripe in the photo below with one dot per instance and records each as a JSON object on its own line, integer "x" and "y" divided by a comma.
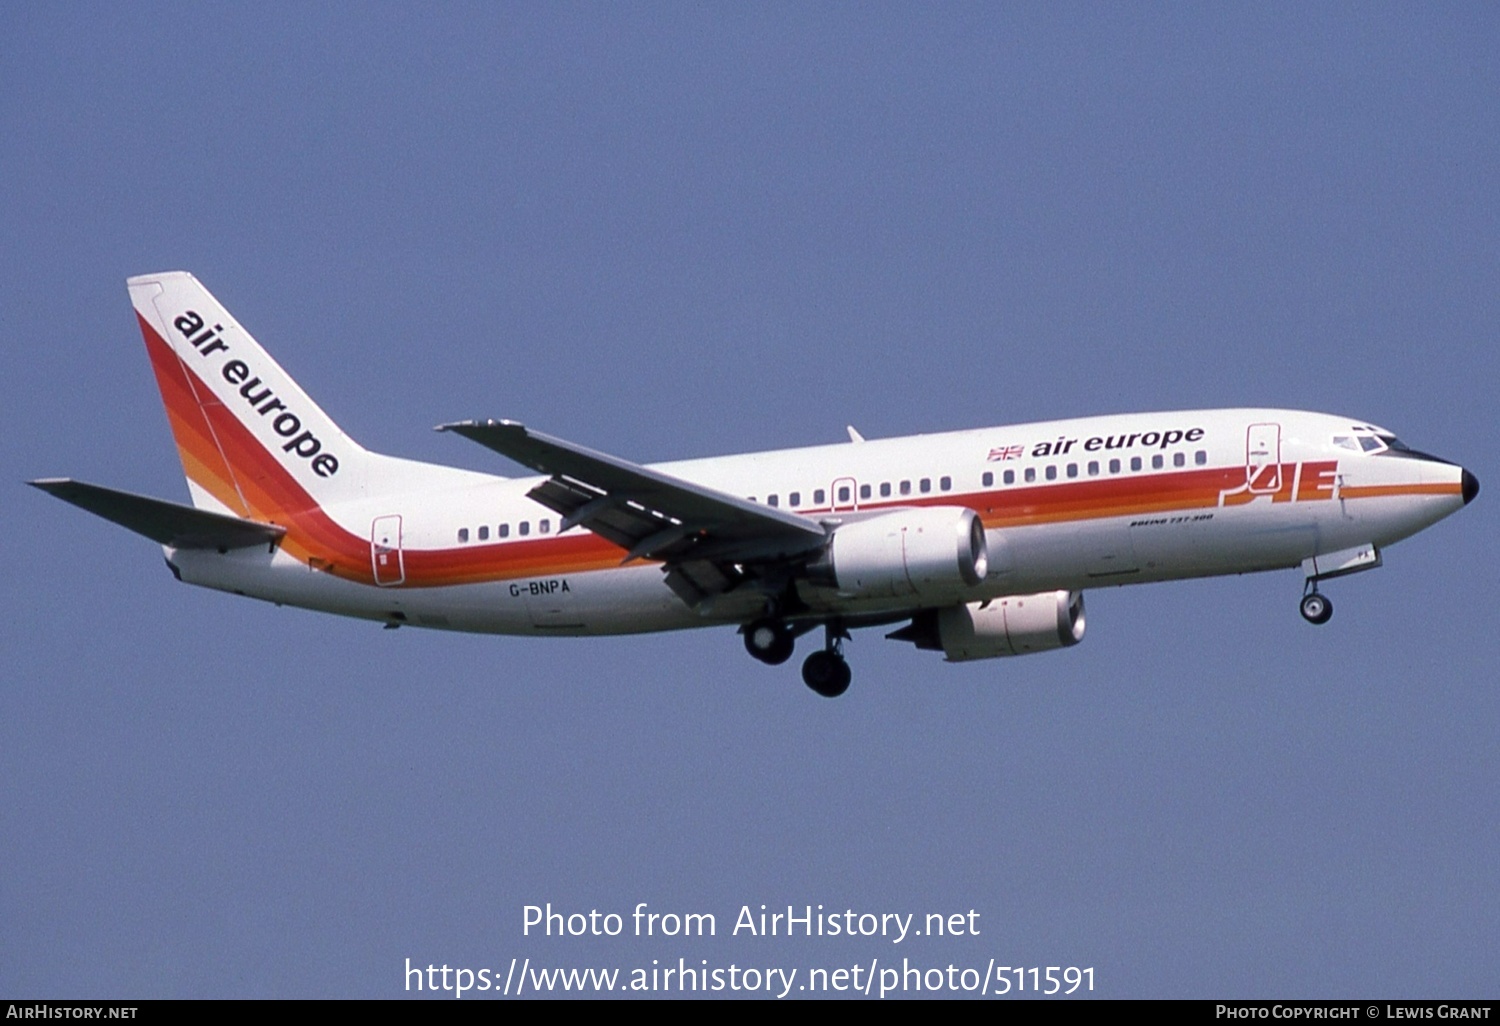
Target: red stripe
{"x": 202, "y": 460}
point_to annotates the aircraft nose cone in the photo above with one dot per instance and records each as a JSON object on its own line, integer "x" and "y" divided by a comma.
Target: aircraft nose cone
{"x": 1471, "y": 487}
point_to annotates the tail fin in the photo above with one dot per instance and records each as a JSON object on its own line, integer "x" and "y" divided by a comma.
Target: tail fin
{"x": 252, "y": 443}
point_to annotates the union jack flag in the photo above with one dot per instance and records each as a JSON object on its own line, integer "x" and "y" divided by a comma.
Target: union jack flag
{"x": 1006, "y": 452}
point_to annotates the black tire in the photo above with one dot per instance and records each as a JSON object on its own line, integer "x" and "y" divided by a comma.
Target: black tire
{"x": 827, "y": 673}
{"x": 769, "y": 641}
{"x": 845, "y": 676}
{"x": 1316, "y": 608}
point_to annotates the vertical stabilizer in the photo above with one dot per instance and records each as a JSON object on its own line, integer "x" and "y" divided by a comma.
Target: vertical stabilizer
{"x": 252, "y": 442}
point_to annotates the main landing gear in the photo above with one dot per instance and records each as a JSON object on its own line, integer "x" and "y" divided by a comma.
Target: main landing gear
{"x": 825, "y": 671}
{"x": 1316, "y": 607}
{"x": 770, "y": 641}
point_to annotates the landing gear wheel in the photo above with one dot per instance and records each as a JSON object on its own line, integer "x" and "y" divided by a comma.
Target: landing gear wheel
{"x": 827, "y": 673}
{"x": 1316, "y": 608}
{"x": 769, "y": 641}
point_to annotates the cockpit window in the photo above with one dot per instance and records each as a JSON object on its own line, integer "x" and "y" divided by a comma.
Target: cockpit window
{"x": 1370, "y": 440}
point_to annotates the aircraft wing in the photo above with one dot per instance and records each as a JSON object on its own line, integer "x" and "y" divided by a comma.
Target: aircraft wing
{"x": 700, "y": 533}
{"x": 168, "y": 523}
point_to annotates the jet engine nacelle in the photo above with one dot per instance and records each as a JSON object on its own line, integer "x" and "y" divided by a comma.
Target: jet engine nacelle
{"x": 933, "y": 551}
{"x": 1014, "y": 625}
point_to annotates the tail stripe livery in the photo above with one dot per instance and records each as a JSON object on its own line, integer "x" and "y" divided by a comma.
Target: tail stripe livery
{"x": 210, "y": 478}
{"x": 227, "y": 373}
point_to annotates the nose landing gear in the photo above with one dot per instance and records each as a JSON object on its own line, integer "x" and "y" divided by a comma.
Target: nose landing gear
{"x": 1316, "y": 607}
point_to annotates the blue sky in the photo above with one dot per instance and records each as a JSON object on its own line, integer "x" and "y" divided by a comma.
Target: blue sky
{"x": 672, "y": 231}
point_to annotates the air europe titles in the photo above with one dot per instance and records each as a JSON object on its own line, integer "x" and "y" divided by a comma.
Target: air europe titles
{"x": 286, "y": 424}
{"x": 1101, "y": 443}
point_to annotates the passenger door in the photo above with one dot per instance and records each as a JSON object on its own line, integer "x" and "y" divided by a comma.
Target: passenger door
{"x": 385, "y": 551}
{"x": 1263, "y": 458}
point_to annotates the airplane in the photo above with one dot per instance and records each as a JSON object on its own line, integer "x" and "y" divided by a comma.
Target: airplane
{"x": 977, "y": 544}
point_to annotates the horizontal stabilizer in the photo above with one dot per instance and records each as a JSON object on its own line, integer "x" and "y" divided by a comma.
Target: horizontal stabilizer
{"x": 169, "y": 523}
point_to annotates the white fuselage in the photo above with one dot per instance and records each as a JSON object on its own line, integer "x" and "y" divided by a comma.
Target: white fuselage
{"x": 1068, "y": 504}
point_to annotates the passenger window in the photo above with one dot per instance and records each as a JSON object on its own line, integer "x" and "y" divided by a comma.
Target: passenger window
{"x": 885, "y": 489}
{"x": 505, "y": 530}
{"x": 844, "y": 493}
{"x": 905, "y": 487}
{"x": 1093, "y": 468}
{"x": 1135, "y": 463}
{"x": 818, "y": 497}
{"x": 1200, "y": 457}
{"x": 1114, "y": 466}
{"x": 525, "y": 528}
{"x": 1072, "y": 470}
{"x": 1051, "y": 472}
{"x": 772, "y": 500}
{"x": 1010, "y": 477}
{"x": 864, "y": 491}
{"x": 1030, "y": 474}
{"x": 945, "y": 483}
{"x": 794, "y": 499}
{"x": 925, "y": 485}
{"x": 463, "y": 534}
{"x": 543, "y": 526}
{"x": 1179, "y": 459}
{"x": 1157, "y": 462}
{"x": 988, "y": 479}
{"x": 484, "y": 532}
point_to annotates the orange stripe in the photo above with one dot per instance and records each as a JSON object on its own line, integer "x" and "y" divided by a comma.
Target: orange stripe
{"x": 1380, "y": 491}
{"x": 202, "y": 460}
